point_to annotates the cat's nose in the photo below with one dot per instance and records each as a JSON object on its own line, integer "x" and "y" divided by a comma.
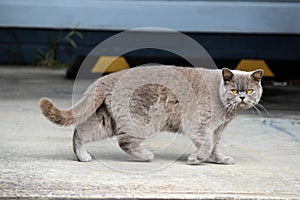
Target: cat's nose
{"x": 242, "y": 98}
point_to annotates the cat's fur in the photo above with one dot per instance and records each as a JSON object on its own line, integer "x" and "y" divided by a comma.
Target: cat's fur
{"x": 118, "y": 105}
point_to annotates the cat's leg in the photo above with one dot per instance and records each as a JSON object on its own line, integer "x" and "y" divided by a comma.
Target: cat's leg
{"x": 132, "y": 146}
{"x": 216, "y": 154}
{"x": 204, "y": 144}
{"x": 95, "y": 128}
{"x": 79, "y": 148}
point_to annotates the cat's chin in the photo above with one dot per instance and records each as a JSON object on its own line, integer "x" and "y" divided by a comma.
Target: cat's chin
{"x": 244, "y": 106}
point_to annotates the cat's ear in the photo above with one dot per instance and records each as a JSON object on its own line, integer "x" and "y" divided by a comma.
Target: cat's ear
{"x": 227, "y": 75}
{"x": 257, "y": 74}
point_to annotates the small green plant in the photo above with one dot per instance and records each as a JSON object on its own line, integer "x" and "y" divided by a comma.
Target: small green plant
{"x": 15, "y": 51}
{"x": 49, "y": 58}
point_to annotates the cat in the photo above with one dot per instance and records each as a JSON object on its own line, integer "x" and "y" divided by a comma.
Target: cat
{"x": 135, "y": 103}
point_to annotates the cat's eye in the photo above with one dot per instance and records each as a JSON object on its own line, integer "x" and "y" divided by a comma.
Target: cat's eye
{"x": 249, "y": 91}
{"x": 234, "y": 91}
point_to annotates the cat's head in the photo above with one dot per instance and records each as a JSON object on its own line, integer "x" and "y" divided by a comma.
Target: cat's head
{"x": 240, "y": 89}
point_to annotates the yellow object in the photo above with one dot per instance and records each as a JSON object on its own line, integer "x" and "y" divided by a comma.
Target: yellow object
{"x": 108, "y": 64}
{"x": 250, "y": 65}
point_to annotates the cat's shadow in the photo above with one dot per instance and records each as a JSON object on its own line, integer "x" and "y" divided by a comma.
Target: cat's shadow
{"x": 123, "y": 157}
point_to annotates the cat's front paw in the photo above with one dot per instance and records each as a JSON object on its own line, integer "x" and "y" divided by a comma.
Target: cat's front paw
{"x": 193, "y": 160}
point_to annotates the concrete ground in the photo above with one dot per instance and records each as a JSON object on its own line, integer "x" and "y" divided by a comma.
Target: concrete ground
{"x": 36, "y": 157}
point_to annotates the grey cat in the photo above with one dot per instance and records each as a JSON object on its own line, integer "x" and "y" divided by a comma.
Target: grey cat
{"x": 134, "y": 104}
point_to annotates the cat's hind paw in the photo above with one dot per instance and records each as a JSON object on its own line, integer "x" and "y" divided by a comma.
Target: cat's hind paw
{"x": 145, "y": 155}
{"x": 84, "y": 157}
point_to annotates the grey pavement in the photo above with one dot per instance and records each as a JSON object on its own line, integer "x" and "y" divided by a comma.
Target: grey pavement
{"x": 37, "y": 161}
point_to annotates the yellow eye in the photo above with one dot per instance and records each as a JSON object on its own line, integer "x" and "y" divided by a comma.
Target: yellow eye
{"x": 234, "y": 91}
{"x": 249, "y": 91}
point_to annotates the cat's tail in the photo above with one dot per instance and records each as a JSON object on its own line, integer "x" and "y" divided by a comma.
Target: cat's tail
{"x": 77, "y": 114}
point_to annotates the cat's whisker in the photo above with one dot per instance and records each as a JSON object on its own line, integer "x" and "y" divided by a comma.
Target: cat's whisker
{"x": 257, "y": 106}
{"x": 235, "y": 109}
{"x": 252, "y": 109}
{"x": 222, "y": 111}
{"x": 232, "y": 109}
{"x": 224, "y": 108}
{"x": 258, "y": 111}
{"x": 264, "y": 109}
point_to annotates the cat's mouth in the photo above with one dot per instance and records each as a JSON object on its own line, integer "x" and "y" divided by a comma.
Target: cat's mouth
{"x": 244, "y": 105}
